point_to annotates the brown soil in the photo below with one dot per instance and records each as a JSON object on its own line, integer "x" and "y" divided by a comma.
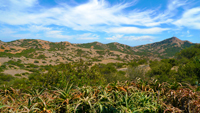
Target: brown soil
{"x": 15, "y": 71}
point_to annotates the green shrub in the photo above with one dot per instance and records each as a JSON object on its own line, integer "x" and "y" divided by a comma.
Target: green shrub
{"x": 36, "y": 61}
{"x": 41, "y": 57}
{"x": 19, "y": 75}
{"x": 2, "y": 47}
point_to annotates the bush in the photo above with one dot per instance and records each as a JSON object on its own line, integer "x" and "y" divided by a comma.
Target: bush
{"x": 4, "y": 78}
{"x": 19, "y": 75}
{"x": 2, "y": 47}
{"x": 36, "y": 61}
{"x": 41, "y": 57}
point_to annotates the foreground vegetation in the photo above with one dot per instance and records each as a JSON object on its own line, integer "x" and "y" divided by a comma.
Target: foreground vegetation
{"x": 122, "y": 97}
{"x": 171, "y": 85}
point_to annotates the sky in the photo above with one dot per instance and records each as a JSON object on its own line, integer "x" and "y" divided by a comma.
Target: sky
{"x": 131, "y": 22}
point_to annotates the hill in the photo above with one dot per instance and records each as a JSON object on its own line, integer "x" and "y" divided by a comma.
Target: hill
{"x": 163, "y": 49}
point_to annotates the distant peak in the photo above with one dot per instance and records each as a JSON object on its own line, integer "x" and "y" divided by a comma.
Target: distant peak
{"x": 175, "y": 39}
{"x": 115, "y": 43}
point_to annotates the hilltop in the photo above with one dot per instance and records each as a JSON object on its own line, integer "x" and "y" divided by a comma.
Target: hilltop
{"x": 163, "y": 49}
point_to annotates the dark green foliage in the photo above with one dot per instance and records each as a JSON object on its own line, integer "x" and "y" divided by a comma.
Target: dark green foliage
{"x": 80, "y": 52}
{"x": 95, "y": 59}
{"x": 57, "y": 46}
{"x": 173, "y": 61}
{"x": 31, "y": 66}
{"x": 2, "y": 67}
{"x": 18, "y": 63}
{"x": 189, "y": 53}
{"x": 115, "y": 47}
{"x": 36, "y": 61}
{"x": 94, "y": 44}
{"x": 4, "y": 78}
{"x": 101, "y": 52}
{"x": 104, "y": 68}
{"x": 190, "y": 72}
{"x": 12, "y": 49}
{"x": 26, "y": 53}
{"x": 142, "y": 61}
{"x": 2, "y": 47}
{"x": 170, "y": 48}
{"x": 78, "y": 74}
{"x": 7, "y": 51}
{"x": 41, "y": 57}
{"x": 187, "y": 67}
{"x": 133, "y": 64}
{"x": 19, "y": 75}
{"x": 160, "y": 70}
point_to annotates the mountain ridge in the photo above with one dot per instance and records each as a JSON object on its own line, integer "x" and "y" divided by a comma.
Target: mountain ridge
{"x": 163, "y": 49}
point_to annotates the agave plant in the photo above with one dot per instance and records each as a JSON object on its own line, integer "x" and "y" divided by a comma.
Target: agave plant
{"x": 183, "y": 99}
{"x": 64, "y": 98}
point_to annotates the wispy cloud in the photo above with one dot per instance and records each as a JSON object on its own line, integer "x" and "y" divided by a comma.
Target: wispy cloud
{"x": 87, "y": 36}
{"x": 57, "y": 34}
{"x": 94, "y": 15}
{"x": 139, "y": 38}
{"x": 116, "y": 37}
{"x": 132, "y": 38}
{"x": 135, "y": 30}
{"x": 190, "y": 19}
{"x": 186, "y": 34}
{"x": 35, "y": 28}
{"x": 7, "y": 31}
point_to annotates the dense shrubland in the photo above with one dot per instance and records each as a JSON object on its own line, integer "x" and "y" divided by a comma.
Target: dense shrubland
{"x": 171, "y": 85}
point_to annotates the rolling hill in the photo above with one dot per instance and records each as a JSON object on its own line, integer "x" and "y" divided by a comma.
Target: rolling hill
{"x": 163, "y": 49}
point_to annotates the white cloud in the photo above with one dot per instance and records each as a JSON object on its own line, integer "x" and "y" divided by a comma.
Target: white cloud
{"x": 174, "y": 4}
{"x": 135, "y": 30}
{"x": 190, "y": 19}
{"x": 166, "y": 17}
{"x": 35, "y": 28}
{"x": 186, "y": 34}
{"x": 95, "y": 15}
{"x": 131, "y": 38}
{"x": 22, "y": 36}
{"x": 139, "y": 38}
{"x": 17, "y": 5}
{"x": 117, "y": 37}
{"x": 7, "y": 31}
{"x": 87, "y": 36}
{"x": 57, "y": 34}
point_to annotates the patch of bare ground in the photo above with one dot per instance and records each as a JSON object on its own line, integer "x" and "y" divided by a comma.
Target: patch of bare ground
{"x": 15, "y": 71}
{"x": 175, "y": 68}
{"x": 162, "y": 50}
{"x": 107, "y": 61}
{"x": 4, "y": 59}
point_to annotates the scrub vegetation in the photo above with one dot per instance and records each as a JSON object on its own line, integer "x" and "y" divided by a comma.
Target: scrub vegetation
{"x": 137, "y": 85}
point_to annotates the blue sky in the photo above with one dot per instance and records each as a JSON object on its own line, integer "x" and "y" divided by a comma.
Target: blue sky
{"x": 131, "y": 22}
